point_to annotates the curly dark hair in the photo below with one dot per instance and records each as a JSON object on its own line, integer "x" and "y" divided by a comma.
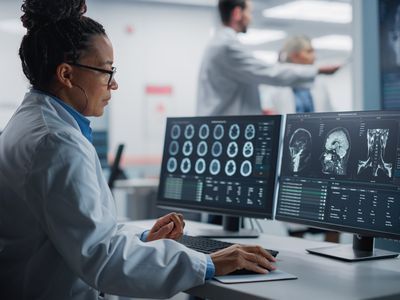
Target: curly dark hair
{"x": 57, "y": 32}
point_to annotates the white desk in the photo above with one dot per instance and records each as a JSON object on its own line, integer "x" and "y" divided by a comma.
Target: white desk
{"x": 318, "y": 277}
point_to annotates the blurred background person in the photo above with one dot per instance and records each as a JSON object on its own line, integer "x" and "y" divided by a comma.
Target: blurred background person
{"x": 309, "y": 97}
{"x": 230, "y": 75}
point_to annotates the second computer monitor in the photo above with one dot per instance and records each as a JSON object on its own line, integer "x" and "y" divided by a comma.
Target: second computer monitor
{"x": 341, "y": 171}
{"x": 222, "y": 165}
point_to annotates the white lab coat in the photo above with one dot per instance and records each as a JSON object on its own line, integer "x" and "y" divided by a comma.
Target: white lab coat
{"x": 59, "y": 238}
{"x": 230, "y": 75}
{"x": 281, "y": 100}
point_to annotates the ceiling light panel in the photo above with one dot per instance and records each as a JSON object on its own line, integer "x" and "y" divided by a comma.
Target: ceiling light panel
{"x": 261, "y": 36}
{"x": 312, "y": 10}
{"x": 333, "y": 42}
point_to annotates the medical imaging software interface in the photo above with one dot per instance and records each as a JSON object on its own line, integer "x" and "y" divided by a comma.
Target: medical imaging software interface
{"x": 220, "y": 163}
{"x": 342, "y": 169}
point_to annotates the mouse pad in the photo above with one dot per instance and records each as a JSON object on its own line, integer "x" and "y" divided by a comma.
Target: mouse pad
{"x": 274, "y": 275}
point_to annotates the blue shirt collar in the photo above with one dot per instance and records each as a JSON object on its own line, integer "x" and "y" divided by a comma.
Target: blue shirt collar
{"x": 83, "y": 122}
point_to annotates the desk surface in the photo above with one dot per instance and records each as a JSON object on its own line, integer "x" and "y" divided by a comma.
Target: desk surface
{"x": 318, "y": 277}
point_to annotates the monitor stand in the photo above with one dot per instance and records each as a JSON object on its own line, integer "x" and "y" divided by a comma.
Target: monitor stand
{"x": 230, "y": 229}
{"x": 362, "y": 249}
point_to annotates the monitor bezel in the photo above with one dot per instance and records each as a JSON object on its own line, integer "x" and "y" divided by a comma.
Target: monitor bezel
{"x": 324, "y": 225}
{"x": 219, "y": 210}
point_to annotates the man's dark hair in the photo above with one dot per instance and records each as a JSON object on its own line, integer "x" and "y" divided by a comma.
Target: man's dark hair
{"x": 57, "y": 32}
{"x": 226, "y": 7}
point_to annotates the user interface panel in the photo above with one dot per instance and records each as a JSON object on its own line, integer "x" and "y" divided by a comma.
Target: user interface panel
{"x": 220, "y": 164}
{"x": 342, "y": 171}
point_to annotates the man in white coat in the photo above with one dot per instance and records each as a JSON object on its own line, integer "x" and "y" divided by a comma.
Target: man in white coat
{"x": 309, "y": 97}
{"x": 230, "y": 75}
{"x": 59, "y": 235}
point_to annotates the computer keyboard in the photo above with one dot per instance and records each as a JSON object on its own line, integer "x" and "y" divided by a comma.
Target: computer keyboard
{"x": 207, "y": 246}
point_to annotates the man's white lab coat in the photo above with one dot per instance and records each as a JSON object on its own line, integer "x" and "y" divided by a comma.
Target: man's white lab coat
{"x": 59, "y": 238}
{"x": 230, "y": 75}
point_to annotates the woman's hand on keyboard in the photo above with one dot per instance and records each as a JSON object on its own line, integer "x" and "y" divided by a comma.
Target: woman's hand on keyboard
{"x": 237, "y": 257}
{"x": 167, "y": 227}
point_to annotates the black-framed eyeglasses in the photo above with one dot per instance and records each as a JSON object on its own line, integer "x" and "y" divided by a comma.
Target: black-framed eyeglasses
{"x": 111, "y": 72}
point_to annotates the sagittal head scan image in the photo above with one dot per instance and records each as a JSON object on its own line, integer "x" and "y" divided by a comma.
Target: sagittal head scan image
{"x": 300, "y": 149}
{"x": 376, "y": 142}
{"x": 336, "y": 152}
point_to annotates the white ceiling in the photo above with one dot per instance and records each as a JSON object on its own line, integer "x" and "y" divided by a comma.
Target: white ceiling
{"x": 291, "y": 27}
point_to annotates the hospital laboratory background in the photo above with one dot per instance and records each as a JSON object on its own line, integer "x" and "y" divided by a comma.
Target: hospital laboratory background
{"x": 199, "y": 149}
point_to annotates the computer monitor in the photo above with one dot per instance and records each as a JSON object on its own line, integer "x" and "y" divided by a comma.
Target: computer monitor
{"x": 116, "y": 171}
{"x": 341, "y": 171}
{"x": 224, "y": 165}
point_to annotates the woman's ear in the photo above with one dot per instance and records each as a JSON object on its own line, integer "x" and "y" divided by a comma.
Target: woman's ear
{"x": 64, "y": 74}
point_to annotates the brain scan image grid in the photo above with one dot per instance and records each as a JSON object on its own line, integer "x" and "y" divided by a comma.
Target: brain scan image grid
{"x": 376, "y": 143}
{"x": 189, "y": 146}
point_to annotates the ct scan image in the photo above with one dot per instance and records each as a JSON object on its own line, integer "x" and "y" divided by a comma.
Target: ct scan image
{"x": 189, "y": 131}
{"x": 232, "y": 149}
{"x": 200, "y": 166}
{"x": 248, "y": 149}
{"x": 175, "y": 132}
{"x": 202, "y": 148}
{"x": 173, "y": 148}
{"x": 375, "y": 160}
{"x": 246, "y": 168}
{"x": 172, "y": 164}
{"x": 234, "y": 131}
{"x": 218, "y": 132}
{"x": 186, "y": 165}
{"x": 230, "y": 168}
{"x": 250, "y": 132}
{"x": 187, "y": 148}
{"x": 216, "y": 149}
{"x": 337, "y": 147}
{"x": 300, "y": 146}
{"x": 215, "y": 167}
{"x": 204, "y": 131}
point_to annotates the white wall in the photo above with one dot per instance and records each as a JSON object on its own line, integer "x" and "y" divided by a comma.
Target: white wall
{"x": 164, "y": 49}
{"x": 13, "y": 84}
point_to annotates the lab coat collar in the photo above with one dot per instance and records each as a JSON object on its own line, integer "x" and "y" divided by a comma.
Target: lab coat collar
{"x": 83, "y": 122}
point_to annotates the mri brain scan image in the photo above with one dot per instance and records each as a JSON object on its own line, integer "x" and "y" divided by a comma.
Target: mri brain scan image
{"x": 300, "y": 149}
{"x": 376, "y": 142}
{"x": 202, "y": 148}
{"x": 215, "y": 167}
{"x": 232, "y": 149}
{"x": 234, "y": 131}
{"x": 173, "y": 148}
{"x": 248, "y": 149}
{"x": 336, "y": 153}
{"x": 187, "y": 148}
{"x": 250, "y": 132}
{"x": 230, "y": 168}
{"x": 200, "y": 166}
{"x": 175, "y": 132}
{"x": 185, "y": 165}
{"x": 218, "y": 132}
{"x": 245, "y": 168}
{"x": 172, "y": 164}
{"x": 189, "y": 131}
{"x": 204, "y": 131}
{"x": 216, "y": 149}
